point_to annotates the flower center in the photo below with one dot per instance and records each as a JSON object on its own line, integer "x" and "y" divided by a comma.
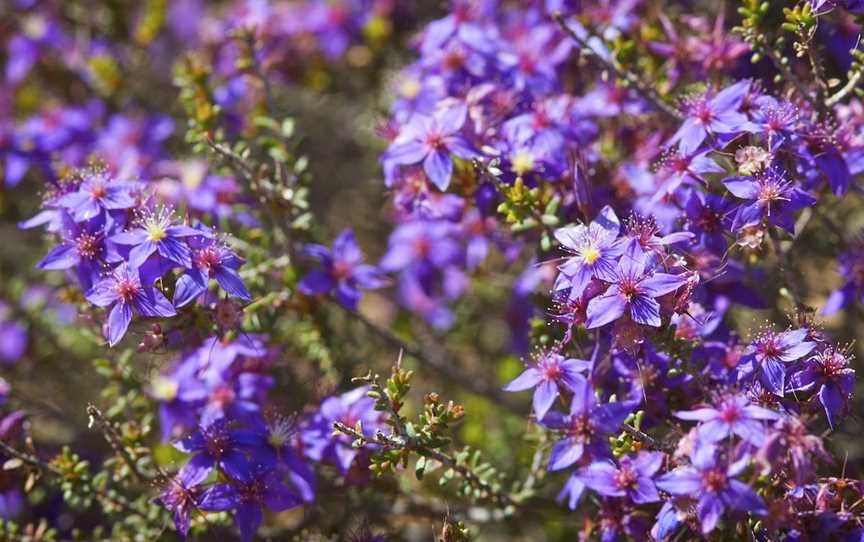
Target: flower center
{"x": 703, "y": 113}
{"x": 714, "y": 480}
{"x": 410, "y": 88}
{"x": 590, "y": 255}
{"x": 155, "y": 232}
{"x": 730, "y": 413}
{"x": 435, "y": 140}
{"x": 551, "y": 370}
{"x": 629, "y": 288}
{"x": 769, "y": 347}
{"x": 832, "y": 363}
{"x": 280, "y": 433}
{"x": 580, "y": 426}
{"x": 127, "y": 289}
{"x": 88, "y": 245}
{"x": 626, "y": 478}
{"x": 216, "y": 441}
{"x": 523, "y": 162}
{"x": 342, "y": 270}
{"x": 98, "y": 191}
{"x": 207, "y": 258}
{"x": 164, "y": 389}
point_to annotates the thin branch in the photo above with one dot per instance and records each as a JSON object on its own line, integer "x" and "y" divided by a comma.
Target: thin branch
{"x": 789, "y": 75}
{"x": 249, "y": 39}
{"x": 792, "y": 284}
{"x": 115, "y": 440}
{"x": 31, "y": 460}
{"x": 400, "y": 442}
{"x": 439, "y": 360}
{"x": 629, "y": 77}
{"x": 447, "y": 366}
{"x": 846, "y": 89}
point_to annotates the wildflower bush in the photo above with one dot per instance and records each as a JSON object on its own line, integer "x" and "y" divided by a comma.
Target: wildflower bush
{"x": 379, "y": 270}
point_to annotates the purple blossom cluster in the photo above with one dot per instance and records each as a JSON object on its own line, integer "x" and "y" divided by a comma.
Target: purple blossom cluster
{"x": 644, "y": 217}
{"x": 244, "y": 458}
{"x": 487, "y": 108}
{"x": 121, "y": 246}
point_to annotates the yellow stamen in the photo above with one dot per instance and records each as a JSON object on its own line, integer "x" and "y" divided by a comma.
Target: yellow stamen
{"x": 590, "y": 255}
{"x": 523, "y": 162}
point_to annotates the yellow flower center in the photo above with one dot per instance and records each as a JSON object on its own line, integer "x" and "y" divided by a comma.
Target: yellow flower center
{"x": 523, "y": 162}
{"x": 410, "y": 88}
{"x": 156, "y": 232}
{"x": 164, "y": 389}
{"x": 590, "y": 255}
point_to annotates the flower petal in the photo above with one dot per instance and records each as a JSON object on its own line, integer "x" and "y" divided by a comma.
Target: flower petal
{"x": 118, "y": 322}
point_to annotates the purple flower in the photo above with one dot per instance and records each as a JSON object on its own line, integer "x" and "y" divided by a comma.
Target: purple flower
{"x": 550, "y": 373}
{"x": 249, "y": 490}
{"x": 634, "y": 289}
{"x": 707, "y": 218}
{"x": 348, "y": 408}
{"x": 122, "y": 288}
{"x": 181, "y": 395}
{"x": 708, "y": 116}
{"x": 431, "y": 140}
{"x": 585, "y": 427}
{"x": 422, "y": 241}
{"x": 282, "y": 440}
{"x": 851, "y": 262}
{"x": 84, "y": 247}
{"x": 342, "y": 269}
{"x": 156, "y": 232}
{"x": 210, "y": 259}
{"x": 775, "y": 119}
{"x": 714, "y": 485}
{"x": 13, "y": 339}
{"x": 768, "y": 354}
{"x": 218, "y": 444}
{"x": 181, "y": 496}
{"x": 830, "y": 373}
{"x": 684, "y": 169}
{"x": 97, "y": 193}
{"x": 732, "y": 414}
{"x": 596, "y": 249}
{"x": 631, "y": 477}
{"x": 771, "y": 197}
{"x": 218, "y": 379}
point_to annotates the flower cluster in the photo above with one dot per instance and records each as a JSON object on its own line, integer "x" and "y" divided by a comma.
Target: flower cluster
{"x": 212, "y": 406}
{"x": 619, "y": 184}
{"x": 119, "y": 244}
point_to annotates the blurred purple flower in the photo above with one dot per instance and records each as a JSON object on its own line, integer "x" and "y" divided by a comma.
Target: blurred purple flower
{"x": 431, "y": 140}
{"x": 342, "y": 269}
